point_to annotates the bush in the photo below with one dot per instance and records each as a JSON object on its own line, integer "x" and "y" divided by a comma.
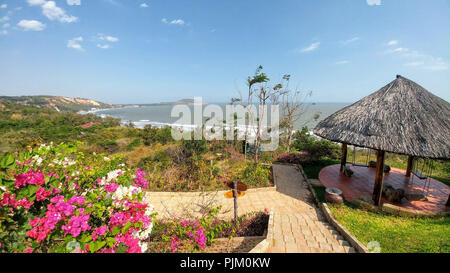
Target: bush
{"x": 255, "y": 174}
{"x": 133, "y": 144}
{"x": 109, "y": 145}
{"x": 194, "y": 147}
{"x": 57, "y": 199}
{"x": 315, "y": 149}
{"x": 152, "y": 135}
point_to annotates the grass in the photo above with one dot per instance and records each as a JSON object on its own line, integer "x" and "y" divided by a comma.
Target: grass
{"x": 394, "y": 234}
{"x": 312, "y": 170}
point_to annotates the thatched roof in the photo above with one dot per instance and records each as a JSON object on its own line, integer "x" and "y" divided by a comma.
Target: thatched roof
{"x": 401, "y": 117}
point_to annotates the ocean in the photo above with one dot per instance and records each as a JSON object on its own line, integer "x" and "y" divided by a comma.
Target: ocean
{"x": 160, "y": 115}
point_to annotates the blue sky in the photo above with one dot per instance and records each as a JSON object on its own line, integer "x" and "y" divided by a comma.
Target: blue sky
{"x": 130, "y": 51}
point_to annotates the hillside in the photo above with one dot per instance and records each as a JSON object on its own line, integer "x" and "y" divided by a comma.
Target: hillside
{"x": 22, "y": 124}
{"x": 58, "y": 103}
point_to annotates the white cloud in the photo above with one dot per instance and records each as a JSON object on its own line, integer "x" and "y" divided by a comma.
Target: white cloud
{"x": 342, "y": 62}
{"x": 75, "y": 43}
{"x": 73, "y": 2}
{"x": 177, "y": 22}
{"x": 173, "y": 22}
{"x": 111, "y": 39}
{"x": 144, "y": 5}
{"x": 113, "y": 2}
{"x": 400, "y": 49}
{"x": 414, "y": 64}
{"x": 7, "y": 25}
{"x": 392, "y": 42}
{"x": 31, "y": 25}
{"x": 349, "y": 41}
{"x": 35, "y": 2}
{"x": 3, "y": 32}
{"x": 417, "y": 59}
{"x": 3, "y": 6}
{"x": 312, "y": 47}
{"x": 102, "y": 46}
{"x": 53, "y": 12}
{"x": 105, "y": 40}
{"x": 4, "y": 19}
{"x": 373, "y": 2}
{"x": 108, "y": 38}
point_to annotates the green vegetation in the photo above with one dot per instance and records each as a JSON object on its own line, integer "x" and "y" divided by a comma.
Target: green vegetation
{"x": 172, "y": 165}
{"x": 58, "y": 102}
{"x": 321, "y": 153}
{"x": 395, "y": 234}
{"x": 21, "y": 125}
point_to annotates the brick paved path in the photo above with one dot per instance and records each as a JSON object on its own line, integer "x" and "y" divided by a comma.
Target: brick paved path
{"x": 299, "y": 225}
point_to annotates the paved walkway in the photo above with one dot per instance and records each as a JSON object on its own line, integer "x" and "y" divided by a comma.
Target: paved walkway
{"x": 299, "y": 225}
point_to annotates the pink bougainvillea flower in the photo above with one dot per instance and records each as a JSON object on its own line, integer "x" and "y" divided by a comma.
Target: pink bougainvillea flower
{"x": 42, "y": 194}
{"x": 140, "y": 179}
{"x": 32, "y": 178}
{"x": 24, "y": 202}
{"x": 112, "y": 187}
{"x": 174, "y": 244}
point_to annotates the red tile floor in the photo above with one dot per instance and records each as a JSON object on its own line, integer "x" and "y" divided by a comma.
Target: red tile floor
{"x": 363, "y": 179}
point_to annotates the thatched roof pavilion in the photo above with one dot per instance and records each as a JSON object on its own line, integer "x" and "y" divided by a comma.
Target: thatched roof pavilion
{"x": 402, "y": 117}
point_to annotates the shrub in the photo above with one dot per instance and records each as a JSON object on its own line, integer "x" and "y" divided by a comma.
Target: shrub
{"x": 315, "y": 149}
{"x": 152, "y": 135}
{"x": 133, "y": 144}
{"x": 178, "y": 235}
{"x": 57, "y": 199}
{"x": 109, "y": 145}
{"x": 255, "y": 174}
{"x": 194, "y": 147}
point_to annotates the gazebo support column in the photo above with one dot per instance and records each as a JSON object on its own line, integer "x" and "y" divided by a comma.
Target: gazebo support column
{"x": 343, "y": 156}
{"x": 378, "y": 187}
{"x": 409, "y": 166}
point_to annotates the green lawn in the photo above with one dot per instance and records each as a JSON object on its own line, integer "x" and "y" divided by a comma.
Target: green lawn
{"x": 312, "y": 170}
{"x": 394, "y": 234}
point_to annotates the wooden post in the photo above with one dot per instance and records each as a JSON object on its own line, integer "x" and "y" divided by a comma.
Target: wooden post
{"x": 448, "y": 201}
{"x": 378, "y": 187}
{"x": 409, "y": 166}
{"x": 343, "y": 156}
{"x": 235, "y": 196}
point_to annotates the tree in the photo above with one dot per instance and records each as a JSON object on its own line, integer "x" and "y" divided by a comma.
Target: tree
{"x": 260, "y": 78}
{"x": 293, "y": 107}
{"x": 264, "y": 95}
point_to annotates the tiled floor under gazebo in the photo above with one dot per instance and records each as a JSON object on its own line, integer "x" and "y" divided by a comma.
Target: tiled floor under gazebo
{"x": 362, "y": 181}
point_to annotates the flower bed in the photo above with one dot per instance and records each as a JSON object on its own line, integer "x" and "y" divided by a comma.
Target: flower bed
{"x": 199, "y": 235}
{"x": 58, "y": 199}
{"x": 294, "y": 158}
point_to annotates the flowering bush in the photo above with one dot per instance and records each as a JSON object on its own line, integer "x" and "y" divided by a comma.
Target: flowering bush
{"x": 182, "y": 235}
{"x": 57, "y": 199}
{"x": 294, "y": 158}
{"x": 192, "y": 235}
